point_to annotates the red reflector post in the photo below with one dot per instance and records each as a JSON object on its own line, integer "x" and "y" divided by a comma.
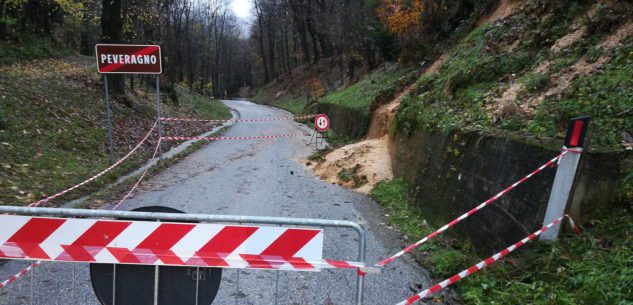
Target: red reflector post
{"x": 576, "y": 132}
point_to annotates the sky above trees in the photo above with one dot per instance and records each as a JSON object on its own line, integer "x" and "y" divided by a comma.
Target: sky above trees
{"x": 242, "y": 8}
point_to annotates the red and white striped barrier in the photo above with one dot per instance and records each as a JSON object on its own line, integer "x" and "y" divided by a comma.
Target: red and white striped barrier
{"x": 20, "y": 274}
{"x": 437, "y": 287}
{"x": 38, "y": 263}
{"x": 473, "y": 211}
{"x": 289, "y": 118}
{"x": 182, "y": 138}
{"x": 99, "y": 174}
{"x": 158, "y": 243}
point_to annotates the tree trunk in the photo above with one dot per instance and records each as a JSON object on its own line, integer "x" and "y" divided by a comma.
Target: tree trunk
{"x": 3, "y": 25}
{"x": 271, "y": 47}
{"x": 111, "y": 31}
{"x": 301, "y": 29}
{"x": 261, "y": 42}
{"x": 312, "y": 31}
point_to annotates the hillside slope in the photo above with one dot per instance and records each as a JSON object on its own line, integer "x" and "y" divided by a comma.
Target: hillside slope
{"x": 533, "y": 70}
{"x": 52, "y": 127}
{"x": 524, "y": 70}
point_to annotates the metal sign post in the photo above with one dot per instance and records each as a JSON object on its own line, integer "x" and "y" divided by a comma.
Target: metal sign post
{"x": 129, "y": 59}
{"x": 109, "y": 118}
{"x": 158, "y": 121}
{"x": 321, "y": 126}
{"x": 565, "y": 174}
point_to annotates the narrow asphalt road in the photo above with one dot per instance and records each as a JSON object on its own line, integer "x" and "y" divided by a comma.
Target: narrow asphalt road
{"x": 258, "y": 178}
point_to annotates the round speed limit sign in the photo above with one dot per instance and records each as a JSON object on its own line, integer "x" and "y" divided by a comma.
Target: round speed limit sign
{"x": 322, "y": 122}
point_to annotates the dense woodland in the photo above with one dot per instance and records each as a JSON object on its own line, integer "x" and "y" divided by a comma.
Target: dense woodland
{"x": 207, "y": 48}
{"x": 203, "y": 44}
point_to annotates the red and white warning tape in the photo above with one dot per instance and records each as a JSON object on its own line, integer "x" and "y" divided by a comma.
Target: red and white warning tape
{"x": 138, "y": 182}
{"x": 38, "y": 263}
{"x": 473, "y": 211}
{"x": 289, "y": 118}
{"x": 182, "y": 138}
{"x": 99, "y": 174}
{"x": 427, "y": 292}
{"x": 20, "y": 274}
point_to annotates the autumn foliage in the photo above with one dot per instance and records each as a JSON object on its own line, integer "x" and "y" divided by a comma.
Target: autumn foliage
{"x": 401, "y": 16}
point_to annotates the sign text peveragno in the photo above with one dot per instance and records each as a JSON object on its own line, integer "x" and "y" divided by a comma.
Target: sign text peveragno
{"x": 121, "y": 58}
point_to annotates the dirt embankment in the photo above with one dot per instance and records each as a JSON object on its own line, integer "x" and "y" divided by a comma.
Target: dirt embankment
{"x": 362, "y": 165}
{"x": 369, "y": 161}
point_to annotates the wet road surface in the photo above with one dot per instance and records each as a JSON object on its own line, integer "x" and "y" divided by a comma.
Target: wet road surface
{"x": 257, "y": 178}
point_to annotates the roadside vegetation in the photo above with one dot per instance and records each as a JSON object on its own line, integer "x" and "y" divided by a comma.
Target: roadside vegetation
{"x": 52, "y": 127}
{"x": 362, "y": 94}
{"x": 595, "y": 267}
{"x": 359, "y": 95}
{"x": 513, "y": 76}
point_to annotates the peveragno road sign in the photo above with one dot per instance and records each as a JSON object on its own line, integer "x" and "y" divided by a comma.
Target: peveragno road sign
{"x": 131, "y": 59}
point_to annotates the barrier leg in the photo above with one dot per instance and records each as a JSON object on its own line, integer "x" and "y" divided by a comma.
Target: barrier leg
{"x": 277, "y": 288}
{"x": 237, "y": 287}
{"x": 156, "y": 278}
{"x": 197, "y": 284}
{"x": 360, "y": 279}
{"x": 319, "y": 290}
{"x": 114, "y": 284}
{"x": 73, "y": 284}
{"x": 32, "y": 284}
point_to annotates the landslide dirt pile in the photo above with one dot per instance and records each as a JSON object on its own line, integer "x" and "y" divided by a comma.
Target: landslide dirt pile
{"x": 525, "y": 69}
{"x": 360, "y": 166}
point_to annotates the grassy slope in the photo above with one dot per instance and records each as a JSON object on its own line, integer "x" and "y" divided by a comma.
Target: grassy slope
{"x": 359, "y": 95}
{"x": 362, "y": 94}
{"x": 52, "y": 127}
{"x": 463, "y": 93}
{"x": 593, "y": 268}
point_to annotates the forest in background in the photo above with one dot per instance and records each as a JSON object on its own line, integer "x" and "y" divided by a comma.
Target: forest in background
{"x": 210, "y": 50}
{"x": 202, "y": 41}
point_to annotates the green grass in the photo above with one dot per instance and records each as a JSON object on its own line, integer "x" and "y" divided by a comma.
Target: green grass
{"x": 534, "y": 82}
{"x": 362, "y": 94}
{"x": 593, "y": 268}
{"x": 607, "y": 97}
{"x": 359, "y": 95}
{"x": 205, "y": 107}
{"x": 30, "y": 47}
{"x": 462, "y": 94}
{"x": 442, "y": 256}
{"x": 296, "y": 106}
{"x": 393, "y": 196}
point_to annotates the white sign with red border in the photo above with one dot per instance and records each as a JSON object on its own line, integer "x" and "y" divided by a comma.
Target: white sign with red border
{"x": 128, "y": 59}
{"x": 322, "y": 123}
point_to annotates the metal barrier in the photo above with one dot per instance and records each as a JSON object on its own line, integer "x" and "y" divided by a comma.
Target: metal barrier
{"x": 215, "y": 219}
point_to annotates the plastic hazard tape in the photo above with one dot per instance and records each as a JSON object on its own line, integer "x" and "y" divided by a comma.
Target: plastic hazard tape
{"x": 99, "y": 174}
{"x": 38, "y": 263}
{"x": 290, "y": 118}
{"x": 20, "y": 274}
{"x": 437, "y": 287}
{"x": 156, "y": 243}
{"x": 182, "y": 138}
{"x": 473, "y": 211}
{"x": 138, "y": 182}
